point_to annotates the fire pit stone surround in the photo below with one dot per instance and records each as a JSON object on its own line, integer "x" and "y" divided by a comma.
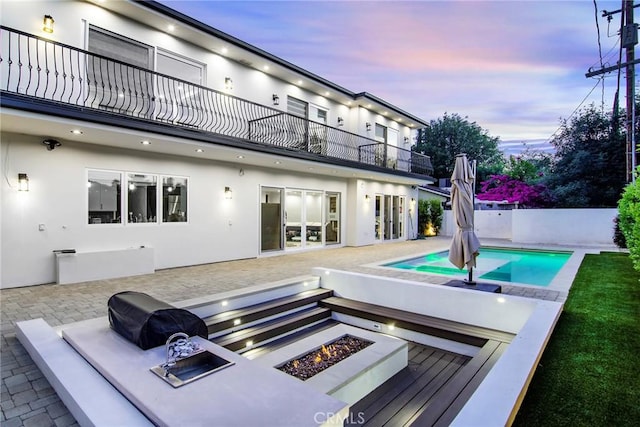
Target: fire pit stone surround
{"x": 354, "y": 377}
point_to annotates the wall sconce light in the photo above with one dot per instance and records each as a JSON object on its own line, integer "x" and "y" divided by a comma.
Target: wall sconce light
{"x": 340, "y": 121}
{"x": 48, "y": 24}
{"x": 406, "y": 139}
{"x": 276, "y": 99}
{"x": 366, "y": 197}
{"x": 228, "y": 83}
{"x": 228, "y": 194}
{"x": 23, "y": 182}
{"x": 368, "y": 125}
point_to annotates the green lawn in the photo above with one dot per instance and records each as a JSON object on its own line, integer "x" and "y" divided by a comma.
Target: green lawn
{"x": 589, "y": 374}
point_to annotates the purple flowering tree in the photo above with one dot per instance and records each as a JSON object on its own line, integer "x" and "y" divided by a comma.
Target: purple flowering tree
{"x": 503, "y": 187}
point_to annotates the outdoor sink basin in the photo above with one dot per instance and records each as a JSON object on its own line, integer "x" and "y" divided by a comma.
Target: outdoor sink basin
{"x": 191, "y": 368}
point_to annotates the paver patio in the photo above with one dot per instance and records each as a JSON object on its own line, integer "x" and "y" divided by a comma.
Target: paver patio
{"x": 27, "y": 399}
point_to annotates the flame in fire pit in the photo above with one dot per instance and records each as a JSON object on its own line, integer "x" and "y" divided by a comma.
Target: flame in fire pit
{"x": 316, "y": 361}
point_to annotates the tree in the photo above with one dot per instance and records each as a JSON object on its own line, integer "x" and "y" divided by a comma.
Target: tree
{"x": 588, "y": 168}
{"x": 529, "y": 166}
{"x": 450, "y": 135}
{"x": 512, "y": 190}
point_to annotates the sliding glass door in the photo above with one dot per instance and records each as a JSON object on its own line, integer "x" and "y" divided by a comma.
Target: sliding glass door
{"x": 332, "y": 219}
{"x": 389, "y": 217}
{"x": 294, "y": 218}
{"x": 271, "y": 219}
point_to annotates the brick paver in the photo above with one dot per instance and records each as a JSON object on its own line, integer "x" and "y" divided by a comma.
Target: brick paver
{"x": 28, "y": 399}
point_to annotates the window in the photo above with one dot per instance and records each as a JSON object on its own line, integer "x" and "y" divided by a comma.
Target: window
{"x": 144, "y": 198}
{"x": 180, "y": 67}
{"x": 141, "y": 197}
{"x": 104, "y": 197}
{"x": 174, "y": 199}
{"x": 297, "y": 107}
{"x": 122, "y": 87}
{"x": 179, "y": 102}
{"x": 120, "y": 48}
{"x": 381, "y": 133}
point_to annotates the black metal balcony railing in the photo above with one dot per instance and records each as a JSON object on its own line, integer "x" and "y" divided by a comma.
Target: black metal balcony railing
{"x": 39, "y": 68}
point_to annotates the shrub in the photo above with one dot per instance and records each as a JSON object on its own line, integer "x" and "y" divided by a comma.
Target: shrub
{"x": 503, "y": 187}
{"x": 618, "y": 236}
{"x": 436, "y": 213}
{"x": 629, "y": 220}
{"x": 424, "y": 215}
{"x": 430, "y": 214}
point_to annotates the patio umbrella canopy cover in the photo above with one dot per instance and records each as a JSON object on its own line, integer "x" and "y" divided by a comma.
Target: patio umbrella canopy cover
{"x": 465, "y": 244}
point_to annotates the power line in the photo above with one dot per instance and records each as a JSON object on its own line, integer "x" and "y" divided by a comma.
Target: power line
{"x": 575, "y": 111}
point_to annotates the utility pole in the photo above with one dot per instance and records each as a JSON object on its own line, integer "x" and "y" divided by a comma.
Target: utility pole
{"x": 628, "y": 41}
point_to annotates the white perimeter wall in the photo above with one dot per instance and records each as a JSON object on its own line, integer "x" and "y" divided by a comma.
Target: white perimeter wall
{"x": 545, "y": 226}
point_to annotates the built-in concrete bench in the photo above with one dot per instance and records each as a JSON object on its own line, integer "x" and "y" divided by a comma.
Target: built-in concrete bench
{"x": 75, "y": 267}
{"x": 89, "y": 398}
{"x": 442, "y": 328}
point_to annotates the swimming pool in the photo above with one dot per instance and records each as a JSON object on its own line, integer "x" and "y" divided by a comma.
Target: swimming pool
{"x": 531, "y": 267}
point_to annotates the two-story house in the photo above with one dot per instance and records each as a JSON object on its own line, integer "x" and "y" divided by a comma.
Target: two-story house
{"x": 126, "y": 124}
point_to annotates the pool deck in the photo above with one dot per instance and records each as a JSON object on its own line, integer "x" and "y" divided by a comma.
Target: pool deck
{"x": 27, "y": 399}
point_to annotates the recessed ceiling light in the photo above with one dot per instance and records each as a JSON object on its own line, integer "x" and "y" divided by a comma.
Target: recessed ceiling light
{"x": 327, "y": 94}
{"x": 225, "y": 50}
{"x": 349, "y": 103}
{"x": 199, "y": 150}
{"x": 171, "y": 27}
{"x": 145, "y": 142}
{"x": 76, "y": 132}
{"x": 277, "y": 162}
{"x": 300, "y": 82}
{"x": 310, "y": 168}
{"x": 368, "y": 105}
{"x": 384, "y": 113}
{"x": 241, "y": 156}
{"x": 266, "y": 67}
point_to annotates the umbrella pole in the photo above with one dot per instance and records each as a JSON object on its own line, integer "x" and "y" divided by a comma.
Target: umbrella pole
{"x": 470, "y": 274}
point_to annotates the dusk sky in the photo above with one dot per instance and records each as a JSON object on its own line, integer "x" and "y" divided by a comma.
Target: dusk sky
{"x": 514, "y": 67}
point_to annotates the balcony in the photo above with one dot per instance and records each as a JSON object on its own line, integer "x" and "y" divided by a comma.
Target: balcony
{"x": 47, "y": 71}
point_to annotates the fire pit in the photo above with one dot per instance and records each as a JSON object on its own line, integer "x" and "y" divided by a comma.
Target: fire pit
{"x": 316, "y": 361}
{"x": 355, "y": 376}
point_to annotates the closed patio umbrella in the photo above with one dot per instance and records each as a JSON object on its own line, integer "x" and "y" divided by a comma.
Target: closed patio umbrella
{"x": 465, "y": 244}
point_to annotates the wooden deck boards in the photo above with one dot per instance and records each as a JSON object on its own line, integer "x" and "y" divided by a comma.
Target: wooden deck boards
{"x": 431, "y": 390}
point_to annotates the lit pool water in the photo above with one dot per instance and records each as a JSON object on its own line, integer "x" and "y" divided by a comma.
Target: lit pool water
{"x": 531, "y": 267}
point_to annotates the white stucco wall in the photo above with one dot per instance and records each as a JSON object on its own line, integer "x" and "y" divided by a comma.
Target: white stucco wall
{"x": 362, "y": 232}
{"x": 545, "y": 226}
{"x": 218, "y": 229}
{"x": 564, "y": 226}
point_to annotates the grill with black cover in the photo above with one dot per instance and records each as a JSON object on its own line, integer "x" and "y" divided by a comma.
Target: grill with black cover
{"x": 148, "y": 322}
